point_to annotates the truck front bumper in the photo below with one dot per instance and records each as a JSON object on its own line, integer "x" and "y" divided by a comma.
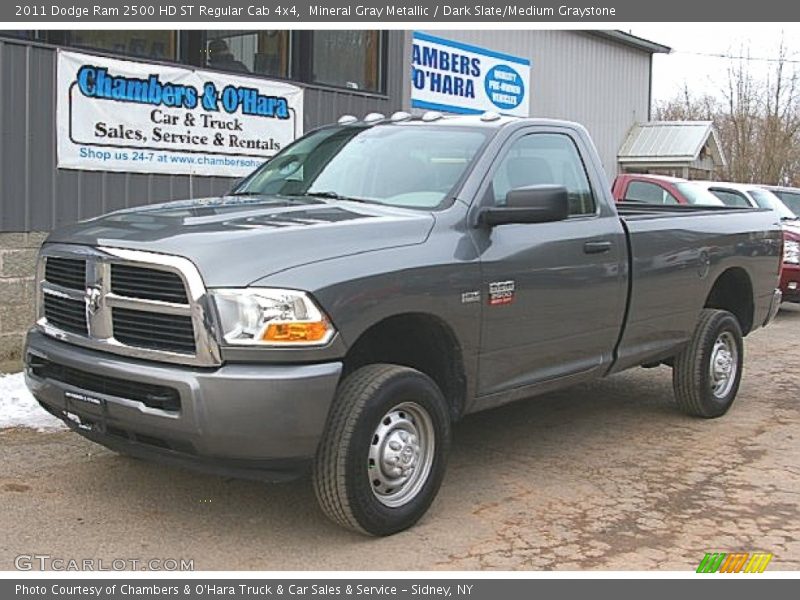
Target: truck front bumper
{"x": 244, "y": 420}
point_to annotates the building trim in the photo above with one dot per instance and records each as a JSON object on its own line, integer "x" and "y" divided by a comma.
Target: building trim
{"x": 633, "y": 41}
{"x": 426, "y": 37}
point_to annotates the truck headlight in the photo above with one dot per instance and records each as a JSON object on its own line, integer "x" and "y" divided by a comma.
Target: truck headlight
{"x": 271, "y": 317}
{"x": 791, "y": 252}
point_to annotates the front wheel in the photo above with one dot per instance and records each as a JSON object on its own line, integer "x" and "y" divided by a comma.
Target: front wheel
{"x": 382, "y": 457}
{"x": 707, "y": 373}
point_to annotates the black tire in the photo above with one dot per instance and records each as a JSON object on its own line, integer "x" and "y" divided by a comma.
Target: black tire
{"x": 343, "y": 481}
{"x": 691, "y": 376}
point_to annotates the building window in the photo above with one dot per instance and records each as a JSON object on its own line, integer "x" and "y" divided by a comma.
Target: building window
{"x": 18, "y": 33}
{"x": 260, "y": 52}
{"x": 154, "y": 44}
{"x": 348, "y": 59}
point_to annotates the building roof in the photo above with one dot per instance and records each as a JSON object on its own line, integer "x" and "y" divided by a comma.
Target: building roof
{"x": 633, "y": 41}
{"x": 670, "y": 142}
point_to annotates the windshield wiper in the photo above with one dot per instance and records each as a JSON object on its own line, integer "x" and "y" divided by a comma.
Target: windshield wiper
{"x": 334, "y": 196}
{"x": 246, "y": 193}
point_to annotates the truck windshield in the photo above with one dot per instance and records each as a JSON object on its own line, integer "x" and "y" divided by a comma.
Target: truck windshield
{"x": 766, "y": 199}
{"x": 697, "y": 195}
{"x": 415, "y": 166}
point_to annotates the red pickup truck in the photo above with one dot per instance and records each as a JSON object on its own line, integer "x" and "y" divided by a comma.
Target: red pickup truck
{"x": 790, "y": 275}
{"x": 659, "y": 189}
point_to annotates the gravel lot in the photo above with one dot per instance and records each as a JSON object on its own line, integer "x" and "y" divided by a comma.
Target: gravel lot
{"x": 608, "y": 476}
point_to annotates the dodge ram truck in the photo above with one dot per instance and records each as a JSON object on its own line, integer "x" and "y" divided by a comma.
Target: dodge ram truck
{"x": 373, "y": 282}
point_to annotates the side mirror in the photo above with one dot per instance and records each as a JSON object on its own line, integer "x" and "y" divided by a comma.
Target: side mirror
{"x": 531, "y": 204}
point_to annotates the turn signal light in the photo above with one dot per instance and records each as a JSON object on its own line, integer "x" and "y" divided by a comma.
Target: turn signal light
{"x": 296, "y": 332}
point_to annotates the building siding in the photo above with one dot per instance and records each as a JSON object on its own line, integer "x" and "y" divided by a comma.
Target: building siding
{"x": 36, "y": 196}
{"x": 602, "y": 84}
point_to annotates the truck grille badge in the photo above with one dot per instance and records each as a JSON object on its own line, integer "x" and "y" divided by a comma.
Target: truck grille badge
{"x": 93, "y": 299}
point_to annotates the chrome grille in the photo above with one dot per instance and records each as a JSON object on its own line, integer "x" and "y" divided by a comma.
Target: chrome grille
{"x": 153, "y": 330}
{"x": 128, "y": 302}
{"x": 66, "y": 313}
{"x": 66, "y": 272}
{"x": 147, "y": 283}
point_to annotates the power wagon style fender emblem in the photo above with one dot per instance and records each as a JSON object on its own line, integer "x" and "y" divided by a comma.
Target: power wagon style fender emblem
{"x": 501, "y": 292}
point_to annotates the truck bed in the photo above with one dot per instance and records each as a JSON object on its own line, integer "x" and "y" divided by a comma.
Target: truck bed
{"x": 641, "y": 210}
{"x": 675, "y": 254}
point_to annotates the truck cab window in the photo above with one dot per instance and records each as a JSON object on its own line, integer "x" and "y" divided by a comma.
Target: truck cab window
{"x": 545, "y": 158}
{"x": 644, "y": 191}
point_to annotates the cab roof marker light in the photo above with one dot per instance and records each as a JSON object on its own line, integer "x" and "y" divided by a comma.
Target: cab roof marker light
{"x": 432, "y": 115}
{"x": 374, "y": 117}
{"x": 490, "y": 115}
{"x": 347, "y": 119}
{"x": 400, "y": 116}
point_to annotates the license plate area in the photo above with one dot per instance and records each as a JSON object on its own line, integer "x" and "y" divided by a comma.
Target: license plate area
{"x": 85, "y": 411}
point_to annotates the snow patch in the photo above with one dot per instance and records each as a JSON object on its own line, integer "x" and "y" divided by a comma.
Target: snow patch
{"x": 18, "y": 408}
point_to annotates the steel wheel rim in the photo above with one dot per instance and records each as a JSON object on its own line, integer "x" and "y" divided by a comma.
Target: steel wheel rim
{"x": 724, "y": 365}
{"x": 401, "y": 454}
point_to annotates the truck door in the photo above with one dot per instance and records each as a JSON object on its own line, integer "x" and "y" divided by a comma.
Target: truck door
{"x": 553, "y": 293}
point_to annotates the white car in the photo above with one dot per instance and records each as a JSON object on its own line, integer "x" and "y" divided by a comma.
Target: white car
{"x": 747, "y": 195}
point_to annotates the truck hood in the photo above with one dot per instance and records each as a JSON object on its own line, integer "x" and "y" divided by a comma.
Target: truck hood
{"x": 235, "y": 240}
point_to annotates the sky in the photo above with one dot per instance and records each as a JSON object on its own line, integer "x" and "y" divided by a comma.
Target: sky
{"x": 693, "y": 60}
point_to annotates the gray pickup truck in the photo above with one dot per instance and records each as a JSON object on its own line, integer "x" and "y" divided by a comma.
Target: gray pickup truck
{"x": 371, "y": 284}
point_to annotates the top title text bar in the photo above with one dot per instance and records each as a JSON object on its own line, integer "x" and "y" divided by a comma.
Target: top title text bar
{"x": 434, "y": 11}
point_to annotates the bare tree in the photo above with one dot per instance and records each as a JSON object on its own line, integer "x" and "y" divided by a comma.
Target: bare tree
{"x": 757, "y": 119}
{"x": 738, "y": 125}
{"x": 685, "y": 107}
{"x": 781, "y": 122}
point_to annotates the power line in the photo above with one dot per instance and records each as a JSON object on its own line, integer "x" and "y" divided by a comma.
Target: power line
{"x": 735, "y": 57}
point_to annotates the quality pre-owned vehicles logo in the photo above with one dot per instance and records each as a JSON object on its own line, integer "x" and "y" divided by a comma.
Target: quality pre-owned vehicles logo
{"x": 504, "y": 87}
{"x": 734, "y": 562}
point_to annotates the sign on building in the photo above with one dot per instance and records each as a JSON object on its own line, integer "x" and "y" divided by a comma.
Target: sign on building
{"x": 451, "y": 76}
{"x": 121, "y": 115}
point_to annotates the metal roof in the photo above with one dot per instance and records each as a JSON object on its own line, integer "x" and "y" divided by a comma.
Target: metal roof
{"x": 670, "y": 141}
{"x": 629, "y": 39}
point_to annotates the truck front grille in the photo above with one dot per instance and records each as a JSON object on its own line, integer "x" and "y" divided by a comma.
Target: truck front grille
{"x": 128, "y": 302}
{"x": 173, "y": 333}
{"x": 66, "y": 272}
{"x": 154, "y": 396}
{"x": 66, "y": 313}
{"x": 147, "y": 283}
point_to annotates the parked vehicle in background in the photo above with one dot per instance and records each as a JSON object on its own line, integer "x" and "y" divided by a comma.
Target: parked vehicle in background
{"x": 747, "y": 195}
{"x": 789, "y": 196}
{"x": 752, "y": 195}
{"x": 660, "y": 189}
{"x": 372, "y": 283}
{"x": 790, "y": 275}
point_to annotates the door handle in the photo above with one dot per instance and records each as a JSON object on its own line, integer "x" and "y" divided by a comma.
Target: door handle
{"x": 597, "y": 247}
